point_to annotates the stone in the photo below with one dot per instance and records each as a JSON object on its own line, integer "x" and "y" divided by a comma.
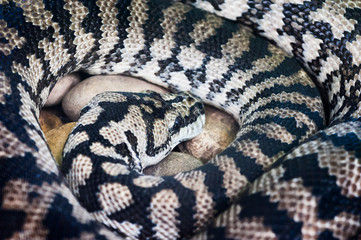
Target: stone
{"x": 56, "y": 139}
{"x": 82, "y": 93}
{"x": 61, "y": 88}
{"x": 219, "y": 131}
{"x": 48, "y": 120}
{"x": 174, "y": 163}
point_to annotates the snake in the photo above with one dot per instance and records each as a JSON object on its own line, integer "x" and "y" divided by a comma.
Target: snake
{"x": 287, "y": 70}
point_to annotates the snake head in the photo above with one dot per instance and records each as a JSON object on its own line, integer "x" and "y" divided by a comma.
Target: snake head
{"x": 175, "y": 117}
{"x": 188, "y": 118}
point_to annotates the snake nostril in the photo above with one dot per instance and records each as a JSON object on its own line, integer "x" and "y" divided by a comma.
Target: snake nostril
{"x": 191, "y": 100}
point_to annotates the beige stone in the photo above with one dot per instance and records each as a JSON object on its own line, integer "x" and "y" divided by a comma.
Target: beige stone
{"x": 56, "y": 139}
{"x": 219, "y": 131}
{"x": 61, "y": 88}
{"x": 48, "y": 120}
{"x": 174, "y": 163}
{"x": 82, "y": 93}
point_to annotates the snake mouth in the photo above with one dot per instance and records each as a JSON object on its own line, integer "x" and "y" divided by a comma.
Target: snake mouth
{"x": 194, "y": 127}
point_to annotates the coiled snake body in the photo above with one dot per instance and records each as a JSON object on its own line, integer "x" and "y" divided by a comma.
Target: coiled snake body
{"x": 294, "y": 170}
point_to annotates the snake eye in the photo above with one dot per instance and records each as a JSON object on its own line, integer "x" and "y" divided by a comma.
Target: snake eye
{"x": 177, "y": 123}
{"x": 176, "y": 126}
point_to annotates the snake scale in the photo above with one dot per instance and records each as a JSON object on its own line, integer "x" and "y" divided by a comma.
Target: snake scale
{"x": 294, "y": 169}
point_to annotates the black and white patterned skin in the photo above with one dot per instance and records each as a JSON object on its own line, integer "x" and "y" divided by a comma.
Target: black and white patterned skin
{"x": 119, "y": 134}
{"x": 294, "y": 170}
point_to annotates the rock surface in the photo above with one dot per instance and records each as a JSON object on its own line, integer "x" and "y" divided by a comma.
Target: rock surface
{"x": 56, "y": 139}
{"x": 49, "y": 121}
{"x": 219, "y": 131}
{"x": 61, "y": 88}
{"x": 82, "y": 93}
{"x": 175, "y": 163}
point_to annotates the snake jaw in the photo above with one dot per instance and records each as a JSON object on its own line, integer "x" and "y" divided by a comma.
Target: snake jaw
{"x": 190, "y": 119}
